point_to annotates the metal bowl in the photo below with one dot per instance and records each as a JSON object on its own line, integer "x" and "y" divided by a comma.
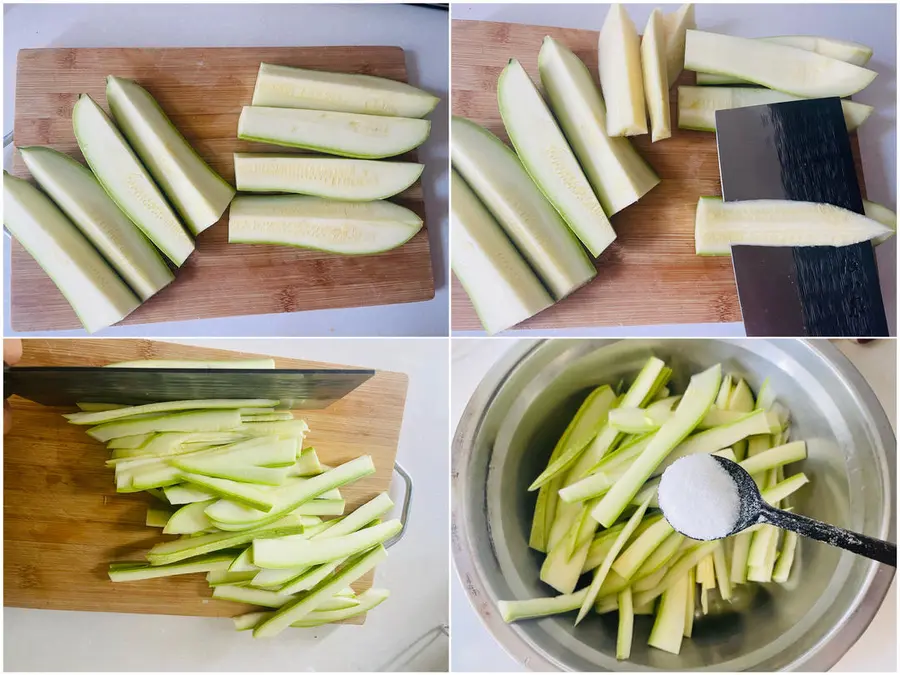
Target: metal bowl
{"x": 521, "y": 407}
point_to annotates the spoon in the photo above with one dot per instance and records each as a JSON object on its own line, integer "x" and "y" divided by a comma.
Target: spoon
{"x": 755, "y": 510}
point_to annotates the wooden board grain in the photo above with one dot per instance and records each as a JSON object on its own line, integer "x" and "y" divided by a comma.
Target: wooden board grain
{"x": 64, "y": 522}
{"x": 650, "y": 275}
{"x": 202, "y": 90}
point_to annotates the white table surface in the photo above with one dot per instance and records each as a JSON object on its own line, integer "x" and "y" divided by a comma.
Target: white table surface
{"x": 415, "y": 572}
{"x": 474, "y": 649}
{"x": 422, "y": 32}
{"x": 873, "y": 25}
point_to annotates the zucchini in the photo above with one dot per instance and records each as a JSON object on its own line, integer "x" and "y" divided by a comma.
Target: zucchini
{"x": 548, "y": 159}
{"x": 618, "y": 174}
{"x": 626, "y": 624}
{"x": 620, "y": 74}
{"x": 655, "y": 75}
{"x": 773, "y": 222}
{"x": 157, "y": 517}
{"x": 842, "y": 50}
{"x": 334, "y": 133}
{"x": 89, "y": 284}
{"x": 126, "y": 180}
{"x": 203, "y": 420}
{"x": 189, "y": 519}
{"x": 516, "y": 610}
{"x": 202, "y": 405}
{"x": 788, "y": 69}
{"x": 244, "y": 562}
{"x": 227, "y": 578}
{"x": 368, "y": 600}
{"x": 79, "y": 195}
{"x": 138, "y": 571}
{"x": 286, "y": 87}
{"x": 786, "y": 558}
{"x": 355, "y": 180}
{"x": 263, "y": 598}
{"x": 198, "y": 193}
{"x": 284, "y": 553}
{"x": 496, "y": 175}
{"x": 884, "y": 216}
{"x": 501, "y": 286}
{"x": 347, "y": 228}
{"x": 697, "y": 106}
{"x": 668, "y": 628}
{"x": 676, "y": 25}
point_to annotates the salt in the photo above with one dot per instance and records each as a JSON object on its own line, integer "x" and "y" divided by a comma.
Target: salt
{"x": 699, "y": 498}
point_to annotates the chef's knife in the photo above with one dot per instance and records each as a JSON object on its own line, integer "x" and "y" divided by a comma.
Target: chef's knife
{"x": 56, "y": 386}
{"x": 800, "y": 151}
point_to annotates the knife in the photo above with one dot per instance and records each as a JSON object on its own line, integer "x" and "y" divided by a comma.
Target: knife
{"x": 799, "y": 150}
{"x": 58, "y": 386}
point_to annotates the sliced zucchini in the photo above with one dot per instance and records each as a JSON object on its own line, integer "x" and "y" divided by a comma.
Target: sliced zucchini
{"x": 283, "y": 553}
{"x": 496, "y": 175}
{"x": 842, "y": 50}
{"x": 81, "y": 197}
{"x": 626, "y": 624}
{"x": 773, "y": 222}
{"x": 167, "y": 406}
{"x": 138, "y": 571}
{"x": 620, "y": 75}
{"x": 355, "y": 180}
{"x": 788, "y": 69}
{"x": 187, "y": 494}
{"x": 126, "y": 180}
{"x": 312, "y": 222}
{"x": 285, "y": 87}
{"x": 189, "y": 519}
{"x": 204, "y": 420}
{"x": 334, "y": 133}
{"x": 654, "y": 67}
{"x": 697, "y": 106}
{"x": 884, "y": 216}
{"x": 253, "y": 496}
{"x": 89, "y": 284}
{"x": 244, "y": 562}
{"x": 501, "y": 286}
{"x": 548, "y": 159}
{"x": 676, "y": 25}
{"x": 786, "y": 558}
{"x": 618, "y": 174}
{"x": 368, "y": 600}
{"x": 668, "y": 628}
{"x": 198, "y": 193}
{"x": 227, "y": 578}
{"x": 516, "y": 610}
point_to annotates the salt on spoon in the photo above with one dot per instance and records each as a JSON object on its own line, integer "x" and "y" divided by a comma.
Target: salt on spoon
{"x": 709, "y": 497}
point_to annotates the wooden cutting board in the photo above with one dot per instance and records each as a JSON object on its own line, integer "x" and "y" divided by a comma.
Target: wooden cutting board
{"x": 202, "y": 90}
{"x": 64, "y": 522}
{"x": 650, "y": 275}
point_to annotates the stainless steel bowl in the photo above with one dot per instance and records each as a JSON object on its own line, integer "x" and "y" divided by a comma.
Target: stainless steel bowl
{"x": 519, "y": 410}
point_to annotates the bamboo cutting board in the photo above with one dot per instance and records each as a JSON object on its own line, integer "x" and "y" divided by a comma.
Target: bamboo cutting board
{"x": 203, "y": 90}
{"x": 650, "y": 275}
{"x": 64, "y": 522}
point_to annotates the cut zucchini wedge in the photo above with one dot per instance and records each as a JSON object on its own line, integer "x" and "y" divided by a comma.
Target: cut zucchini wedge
{"x": 548, "y": 159}
{"x": 516, "y": 610}
{"x": 198, "y": 193}
{"x": 89, "y": 284}
{"x": 346, "y": 228}
{"x": 677, "y": 24}
{"x": 656, "y": 85}
{"x": 788, "y": 69}
{"x": 772, "y": 222}
{"x": 697, "y": 106}
{"x": 501, "y": 286}
{"x": 139, "y": 571}
{"x": 496, "y": 175}
{"x": 187, "y": 494}
{"x": 81, "y": 197}
{"x": 618, "y": 174}
{"x": 205, "y": 420}
{"x": 167, "y": 406}
{"x": 286, "y": 87}
{"x": 620, "y": 74}
{"x": 126, "y": 180}
{"x": 668, "y": 628}
{"x": 282, "y": 553}
{"x": 189, "y": 519}
{"x": 334, "y": 133}
{"x": 354, "y": 180}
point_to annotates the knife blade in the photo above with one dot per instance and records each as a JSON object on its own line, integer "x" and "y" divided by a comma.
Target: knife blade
{"x": 799, "y": 150}
{"x": 66, "y": 386}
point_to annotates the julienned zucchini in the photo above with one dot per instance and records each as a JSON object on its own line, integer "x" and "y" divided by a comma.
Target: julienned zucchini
{"x": 285, "y": 87}
{"x": 81, "y": 197}
{"x": 697, "y": 106}
{"x": 621, "y": 78}
{"x": 98, "y": 296}
{"x": 496, "y": 175}
{"x": 334, "y": 133}
{"x": 199, "y": 194}
{"x": 350, "y": 228}
{"x": 618, "y": 174}
{"x": 788, "y": 69}
{"x": 720, "y": 225}
{"x": 842, "y": 50}
{"x": 126, "y": 180}
{"x": 501, "y": 286}
{"x": 356, "y": 180}
{"x": 548, "y": 159}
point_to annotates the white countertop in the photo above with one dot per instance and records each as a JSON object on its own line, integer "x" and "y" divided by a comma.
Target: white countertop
{"x": 415, "y": 572}
{"x": 422, "y": 32}
{"x": 474, "y": 649}
{"x": 873, "y": 25}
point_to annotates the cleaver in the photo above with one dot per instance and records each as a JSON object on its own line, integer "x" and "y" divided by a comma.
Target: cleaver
{"x": 58, "y": 386}
{"x": 798, "y": 150}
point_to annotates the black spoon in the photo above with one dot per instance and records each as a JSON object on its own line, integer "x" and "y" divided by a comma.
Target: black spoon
{"x": 755, "y": 510}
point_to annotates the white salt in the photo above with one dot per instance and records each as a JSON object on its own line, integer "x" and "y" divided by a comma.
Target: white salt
{"x": 699, "y": 497}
